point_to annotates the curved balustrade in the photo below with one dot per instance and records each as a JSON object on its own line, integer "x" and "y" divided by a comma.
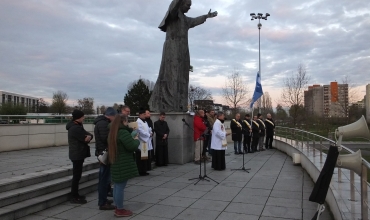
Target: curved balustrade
{"x": 313, "y": 146}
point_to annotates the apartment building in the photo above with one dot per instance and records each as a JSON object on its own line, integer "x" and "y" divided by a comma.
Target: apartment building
{"x": 18, "y": 99}
{"x": 327, "y": 100}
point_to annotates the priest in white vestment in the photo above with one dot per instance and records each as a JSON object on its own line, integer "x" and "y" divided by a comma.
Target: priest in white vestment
{"x": 219, "y": 143}
{"x": 145, "y": 137}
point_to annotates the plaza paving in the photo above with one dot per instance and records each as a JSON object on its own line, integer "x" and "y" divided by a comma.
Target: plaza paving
{"x": 274, "y": 189}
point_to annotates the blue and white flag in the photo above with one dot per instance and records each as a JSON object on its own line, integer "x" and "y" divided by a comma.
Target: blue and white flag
{"x": 258, "y": 90}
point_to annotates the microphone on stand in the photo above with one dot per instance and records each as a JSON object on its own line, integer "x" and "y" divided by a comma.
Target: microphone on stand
{"x": 183, "y": 120}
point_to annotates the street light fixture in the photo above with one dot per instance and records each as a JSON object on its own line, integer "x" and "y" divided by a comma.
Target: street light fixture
{"x": 259, "y": 16}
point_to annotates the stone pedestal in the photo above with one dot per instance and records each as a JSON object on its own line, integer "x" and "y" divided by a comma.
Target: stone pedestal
{"x": 180, "y": 140}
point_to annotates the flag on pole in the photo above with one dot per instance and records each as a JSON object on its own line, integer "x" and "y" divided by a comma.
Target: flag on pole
{"x": 258, "y": 90}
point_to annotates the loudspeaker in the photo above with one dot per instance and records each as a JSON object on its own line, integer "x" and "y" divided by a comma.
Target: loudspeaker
{"x": 351, "y": 161}
{"x": 356, "y": 129}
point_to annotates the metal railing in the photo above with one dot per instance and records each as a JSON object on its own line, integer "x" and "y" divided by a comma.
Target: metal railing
{"x": 46, "y": 119}
{"x": 320, "y": 143}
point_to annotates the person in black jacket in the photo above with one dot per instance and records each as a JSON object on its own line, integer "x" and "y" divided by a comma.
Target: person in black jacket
{"x": 78, "y": 139}
{"x": 237, "y": 133}
{"x": 255, "y": 134}
{"x": 162, "y": 131}
{"x": 150, "y": 152}
{"x": 270, "y": 129}
{"x": 262, "y": 131}
{"x": 101, "y": 132}
{"x": 247, "y": 130}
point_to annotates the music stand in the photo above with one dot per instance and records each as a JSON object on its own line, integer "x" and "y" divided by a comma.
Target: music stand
{"x": 200, "y": 177}
{"x": 243, "y": 168}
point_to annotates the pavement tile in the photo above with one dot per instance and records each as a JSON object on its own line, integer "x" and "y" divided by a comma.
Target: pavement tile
{"x": 286, "y": 194}
{"x": 250, "y": 199}
{"x": 236, "y": 216}
{"x": 137, "y": 207}
{"x": 145, "y": 217}
{"x": 175, "y": 185}
{"x": 178, "y": 201}
{"x": 190, "y": 193}
{"x": 282, "y": 212}
{"x": 209, "y": 205}
{"x": 55, "y": 210}
{"x": 33, "y": 217}
{"x": 162, "y": 191}
{"x": 197, "y": 214}
{"x": 290, "y": 203}
{"x": 220, "y": 196}
{"x": 163, "y": 211}
{"x": 242, "y": 208}
{"x": 78, "y": 213}
{"x": 148, "y": 198}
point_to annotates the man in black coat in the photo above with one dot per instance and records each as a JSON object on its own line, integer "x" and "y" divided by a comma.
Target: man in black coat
{"x": 255, "y": 134}
{"x": 150, "y": 152}
{"x": 262, "y": 127}
{"x": 270, "y": 129}
{"x": 247, "y": 130}
{"x": 237, "y": 133}
{"x": 78, "y": 139}
{"x": 101, "y": 132}
{"x": 162, "y": 131}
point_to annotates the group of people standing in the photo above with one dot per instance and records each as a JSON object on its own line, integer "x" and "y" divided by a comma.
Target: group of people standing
{"x": 257, "y": 134}
{"x": 123, "y": 144}
{"x": 210, "y": 135}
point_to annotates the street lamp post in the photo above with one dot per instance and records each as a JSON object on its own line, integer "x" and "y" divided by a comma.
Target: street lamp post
{"x": 259, "y": 16}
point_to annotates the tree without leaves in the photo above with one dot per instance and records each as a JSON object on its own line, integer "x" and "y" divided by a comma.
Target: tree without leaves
{"x": 102, "y": 109}
{"x": 59, "y": 102}
{"x": 138, "y": 97}
{"x": 198, "y": 93}
{"x": 265, "y": 104}
{"x": 235, "y": 91}
{"x": 43, "y": 106}
{"x": 115, "y": 107}
{"x": 86, "y": 105}
{"x": 293, "y": 91}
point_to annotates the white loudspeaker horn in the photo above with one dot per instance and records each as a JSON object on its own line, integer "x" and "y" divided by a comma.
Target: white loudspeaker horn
{"x": 351, "y": 161}
{"x": 356, "y": 129}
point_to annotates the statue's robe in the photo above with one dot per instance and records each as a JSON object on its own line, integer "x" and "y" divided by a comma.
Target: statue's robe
{"x": 170, "y": 92}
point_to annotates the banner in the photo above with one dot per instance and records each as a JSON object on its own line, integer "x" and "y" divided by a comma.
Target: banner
{"x": 257, "y": 91}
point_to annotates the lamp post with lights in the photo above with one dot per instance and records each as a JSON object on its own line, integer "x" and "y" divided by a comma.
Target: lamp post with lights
{"x": 259, "y": 16}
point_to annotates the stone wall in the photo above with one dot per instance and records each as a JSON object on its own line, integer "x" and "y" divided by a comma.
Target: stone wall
{"x": 29, "y": 136}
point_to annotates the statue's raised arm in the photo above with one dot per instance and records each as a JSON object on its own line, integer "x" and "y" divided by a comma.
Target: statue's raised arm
{"x": 212, "y": 14}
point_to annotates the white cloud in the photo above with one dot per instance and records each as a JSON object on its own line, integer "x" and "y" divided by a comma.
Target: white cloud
{"x": 95, "y": 48}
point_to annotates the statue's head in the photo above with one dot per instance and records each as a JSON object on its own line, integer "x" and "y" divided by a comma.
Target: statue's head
{"x": 185, "y": 6}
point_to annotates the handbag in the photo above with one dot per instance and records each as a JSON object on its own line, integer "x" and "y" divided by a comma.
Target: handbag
{"x": 103, "y": 157}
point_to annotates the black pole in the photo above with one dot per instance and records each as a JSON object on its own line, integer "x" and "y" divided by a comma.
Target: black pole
{"x": 200, "y": 177}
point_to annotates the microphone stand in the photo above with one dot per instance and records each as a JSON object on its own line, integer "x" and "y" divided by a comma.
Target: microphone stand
{"x": 243, "y": 168}
{"x": 200, "y": 177}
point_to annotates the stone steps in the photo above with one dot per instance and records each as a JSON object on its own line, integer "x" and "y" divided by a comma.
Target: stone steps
{"x": 39, "y": 177}
{"x": 38, "y": 191}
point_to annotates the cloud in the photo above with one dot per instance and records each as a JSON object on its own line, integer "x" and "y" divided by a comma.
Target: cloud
{"x": 96, "y": 48}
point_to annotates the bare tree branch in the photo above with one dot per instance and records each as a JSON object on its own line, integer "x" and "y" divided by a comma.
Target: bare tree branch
{"x": 293, "y": 91}
{"x": 198, "y": 93}
{"x": 235, "y": 91}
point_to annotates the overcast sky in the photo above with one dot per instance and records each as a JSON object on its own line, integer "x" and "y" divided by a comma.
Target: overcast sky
{"x": 96, "y": 48}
